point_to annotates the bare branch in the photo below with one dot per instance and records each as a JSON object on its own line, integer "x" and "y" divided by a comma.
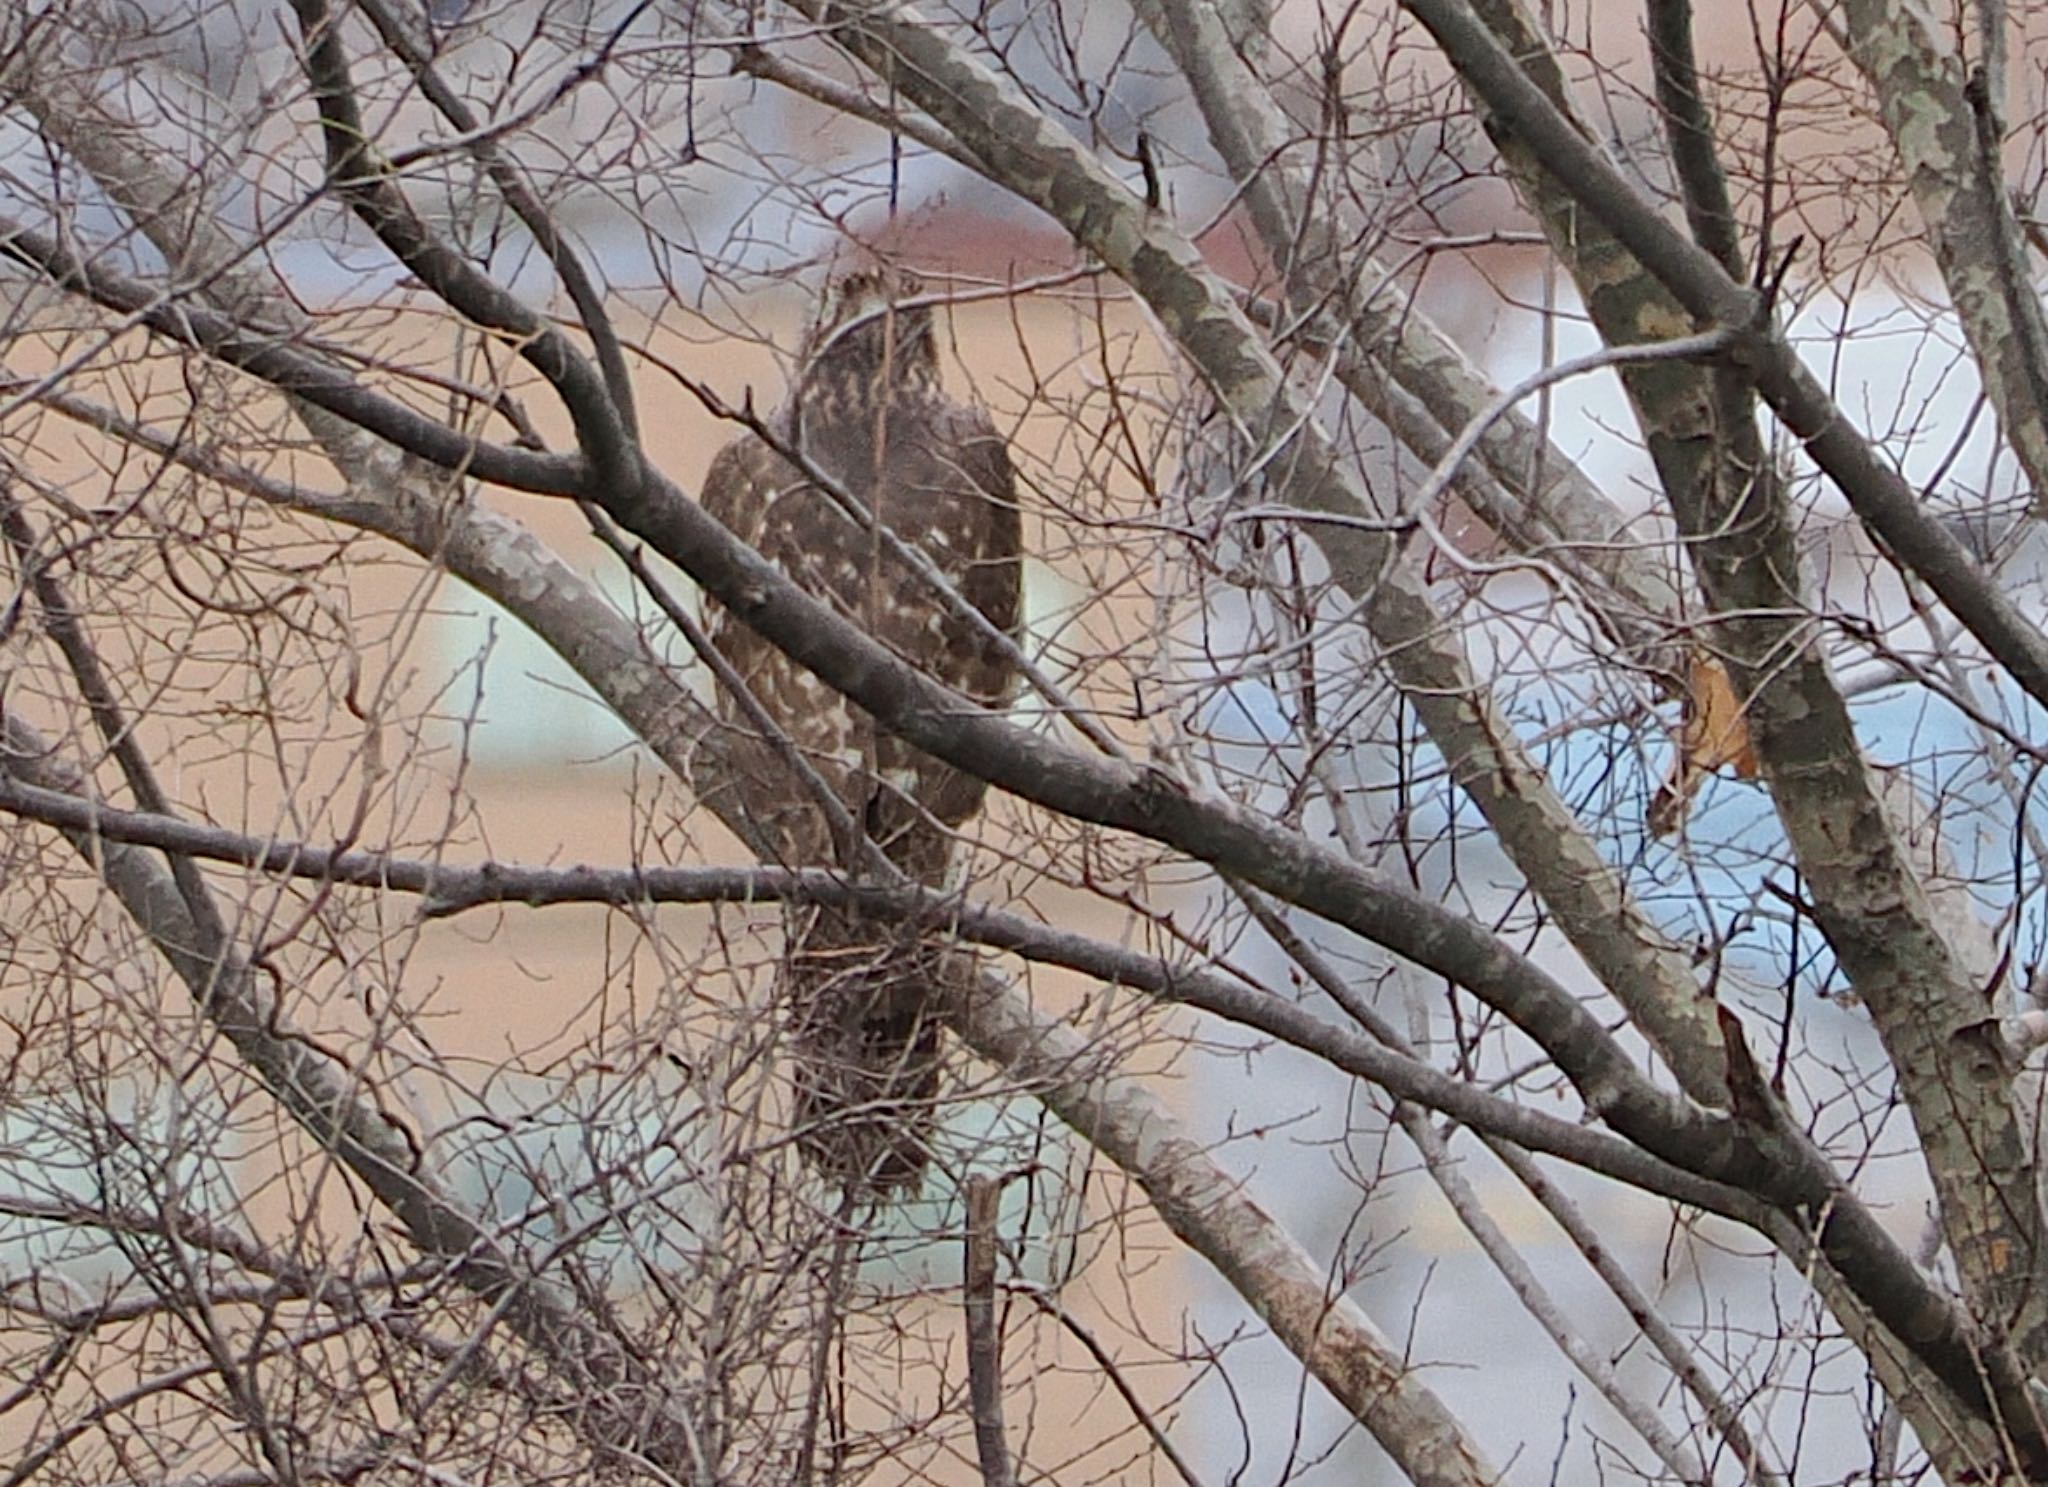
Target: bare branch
{"x": 264, "y": 356}
{"x": 603, "y": 426}
{"x": 397, "y": 33}
{"x": 985, "y": 1334}
{"x": 1950, "y": 148}
{"x": 1208, "y": 1209}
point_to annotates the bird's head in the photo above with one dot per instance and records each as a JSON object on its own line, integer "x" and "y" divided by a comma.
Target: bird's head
{"x": 872, "y": 325}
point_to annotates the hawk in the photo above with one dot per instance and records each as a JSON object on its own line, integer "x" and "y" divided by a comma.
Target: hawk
{"x": 867, "y": 410}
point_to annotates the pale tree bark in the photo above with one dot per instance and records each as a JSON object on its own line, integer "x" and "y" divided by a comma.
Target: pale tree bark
{"x": 1949, "y": 137}
{"x": 1209, "y": 1209}
{"x": 1568, "y": 519}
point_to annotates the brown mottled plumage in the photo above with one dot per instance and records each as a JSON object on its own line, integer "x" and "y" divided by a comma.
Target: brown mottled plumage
{"x": 867, "y": 408}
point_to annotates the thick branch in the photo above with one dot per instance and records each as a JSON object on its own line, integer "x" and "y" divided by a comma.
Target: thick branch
{"x": 1689, "y": 128}
{"x": 1209, "y": 1210}
{"x": 397, "y": 32}
{"x": 1950, "y": 147}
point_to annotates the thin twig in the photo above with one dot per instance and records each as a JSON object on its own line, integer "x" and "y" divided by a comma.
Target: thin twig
{"x": 985, "y": 1334}
{"x": 1103, "y": 1360}
{"x": 832, "y": 1306}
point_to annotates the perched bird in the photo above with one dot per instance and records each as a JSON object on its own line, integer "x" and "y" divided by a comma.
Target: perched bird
{"x": 867, "y": 410}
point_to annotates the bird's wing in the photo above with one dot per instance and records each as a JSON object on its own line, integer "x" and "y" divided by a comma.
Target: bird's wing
{"x": 745, "y": 488}
{"x": 988, "y": 538}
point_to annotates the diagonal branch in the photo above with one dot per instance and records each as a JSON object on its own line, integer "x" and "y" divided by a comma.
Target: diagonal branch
{"x": 262, "y": 355}
{"x": 1945, "y": 130}
{"x": 398, "y": 34}
{"x": 1208, "y": 1208}
{"x": 1399, "y": 366}
{"x": 1465, "y": 1201}
{"x": 603, "y": 425}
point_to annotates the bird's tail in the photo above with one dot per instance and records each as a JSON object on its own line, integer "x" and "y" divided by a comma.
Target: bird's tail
{"x": 865, "y": 1002}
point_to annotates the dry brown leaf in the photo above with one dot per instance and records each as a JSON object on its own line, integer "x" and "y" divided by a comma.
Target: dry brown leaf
{"x": 1711, "y": 737}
